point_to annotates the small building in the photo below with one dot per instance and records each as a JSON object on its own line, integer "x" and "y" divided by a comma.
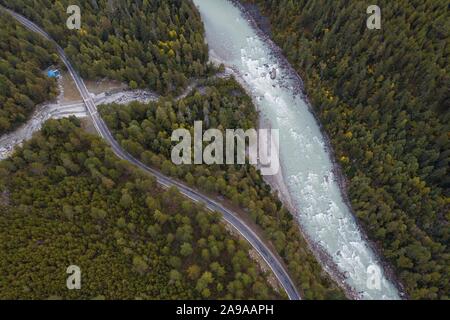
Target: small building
{"x": 54, "y": 74}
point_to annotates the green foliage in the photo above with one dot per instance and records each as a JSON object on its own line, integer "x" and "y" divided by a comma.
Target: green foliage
{"x": 145, "y": 131}
{"x": 383, "y": 98}
{"x": 23, "y": 83}
{"x": 66, "y": 199}
{"x": 157, "y": 44}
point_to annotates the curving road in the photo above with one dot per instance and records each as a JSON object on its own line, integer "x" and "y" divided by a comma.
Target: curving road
{"x": 271, "y": 259}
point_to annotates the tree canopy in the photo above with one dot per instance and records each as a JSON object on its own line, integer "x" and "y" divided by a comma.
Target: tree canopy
{"x": 23, "y": 83}
{"x": 156, "y": 44}
{"x": 66, "y": 199}
{"x": 145, "y": 131}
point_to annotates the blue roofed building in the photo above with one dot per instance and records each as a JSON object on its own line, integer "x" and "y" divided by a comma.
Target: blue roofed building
{"x": 54, "y": 74}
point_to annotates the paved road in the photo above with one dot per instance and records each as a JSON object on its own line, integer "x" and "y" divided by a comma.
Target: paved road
{"x": 167, "y": 182}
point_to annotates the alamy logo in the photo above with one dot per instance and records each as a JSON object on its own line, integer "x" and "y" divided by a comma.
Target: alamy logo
{"x": 74, "y": 20}
{"x": 374, "y": 20}
{"x": 74, "y": 280}
{"x": 262, "y": 148}
{"x": 373, "y": 277}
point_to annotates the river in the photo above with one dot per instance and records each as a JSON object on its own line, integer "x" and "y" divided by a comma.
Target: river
{"x": 307, "y": 168}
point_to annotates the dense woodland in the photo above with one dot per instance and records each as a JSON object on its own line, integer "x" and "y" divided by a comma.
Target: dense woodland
{"x": 145, "y": 131}
{"x": 66, "y": 199}
{"x": 156, "y": 44}
{"x": 23, "y": 83}
{"x": 383, "y": 97}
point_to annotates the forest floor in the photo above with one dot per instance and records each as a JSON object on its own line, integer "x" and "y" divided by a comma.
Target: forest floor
{"x": 104, "y": 85}
{"x": 71, "y": 93}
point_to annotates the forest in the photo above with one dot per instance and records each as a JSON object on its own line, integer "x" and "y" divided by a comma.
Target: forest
{"x": 383, "y": 98}
{"x": 66, "y": 199}
{"x": 145, "y": 131}
{"x": 23, "y": 83}
{"x": 155, "y": 44}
